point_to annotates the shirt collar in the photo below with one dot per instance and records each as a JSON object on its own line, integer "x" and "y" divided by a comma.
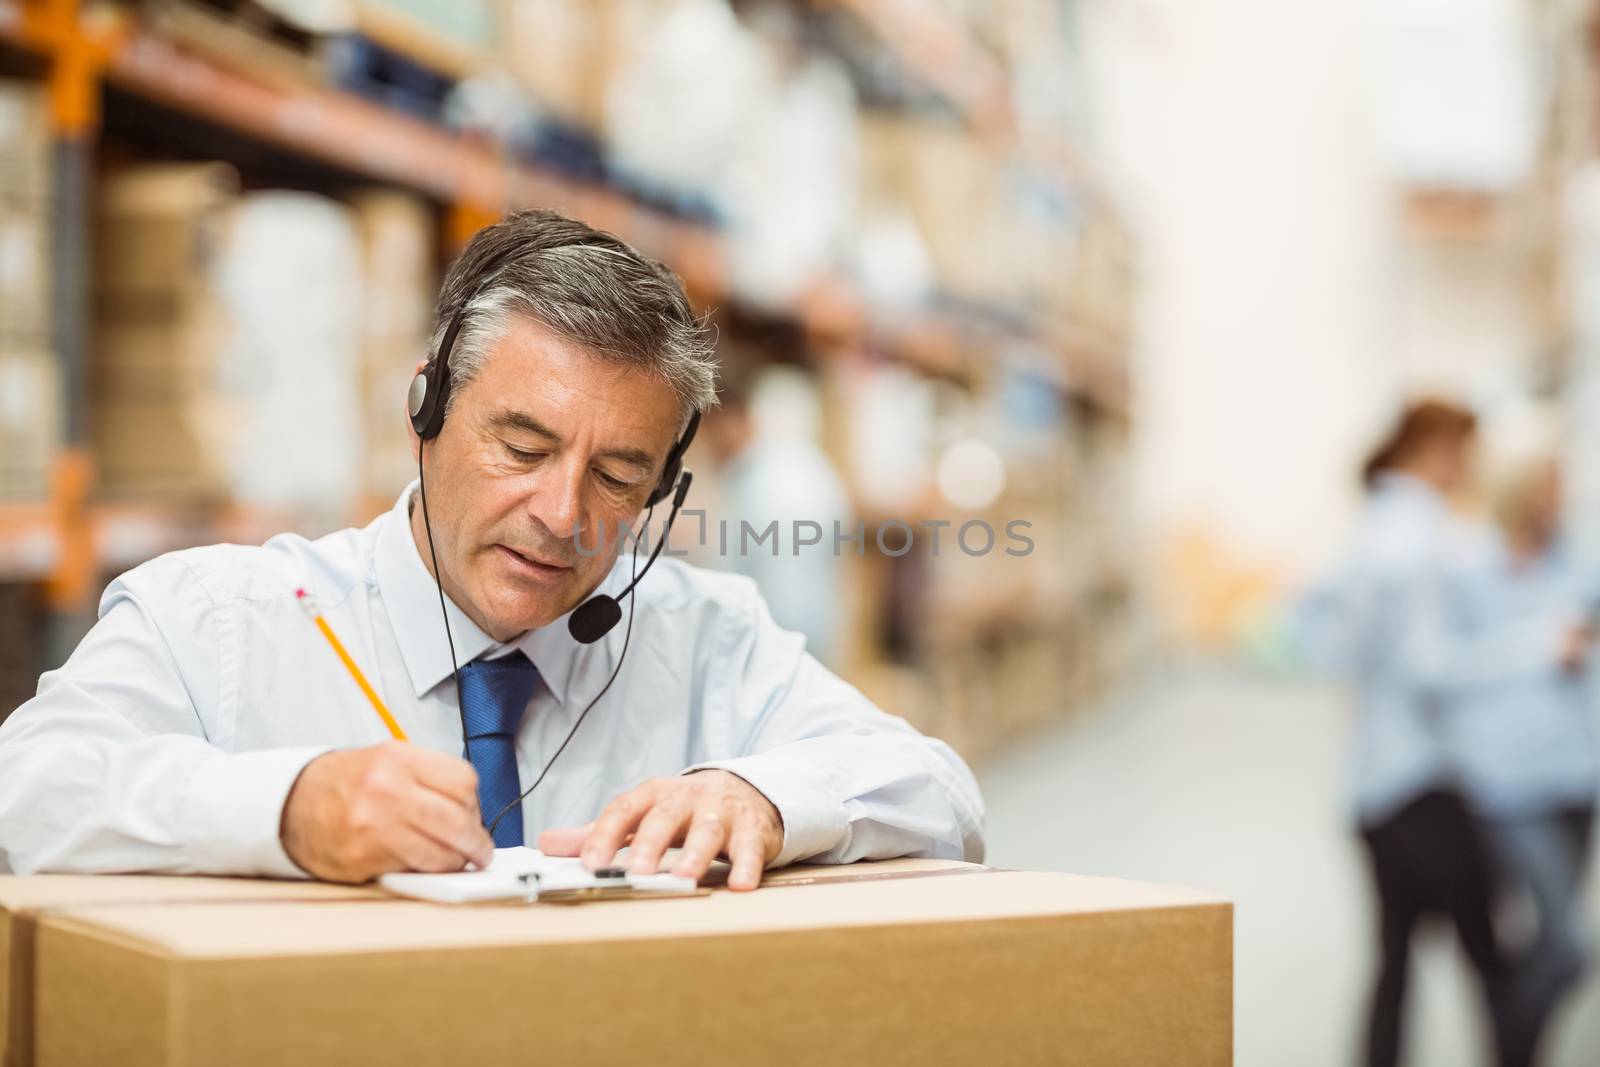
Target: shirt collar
{"x": 1395, "y": 485}
{"x": 411, "y": 600}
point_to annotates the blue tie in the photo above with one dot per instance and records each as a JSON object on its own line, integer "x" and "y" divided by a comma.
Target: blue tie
{"x": 494, "y": 694}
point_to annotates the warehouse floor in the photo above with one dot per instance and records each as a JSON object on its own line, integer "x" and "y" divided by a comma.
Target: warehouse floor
{"x": 1220, "y": 779}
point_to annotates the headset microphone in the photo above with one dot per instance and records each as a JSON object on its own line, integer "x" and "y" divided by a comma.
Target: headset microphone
{"x": 595, "y": 617}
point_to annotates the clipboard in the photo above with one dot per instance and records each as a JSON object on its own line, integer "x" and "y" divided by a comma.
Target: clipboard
{"x": 526, "y": 875}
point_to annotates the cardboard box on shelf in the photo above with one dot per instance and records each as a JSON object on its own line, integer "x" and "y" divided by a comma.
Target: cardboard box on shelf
{"x": 452, "y": 37}
{"x": 30, "y": 422}
{"x": 274, "y": 51}
{"x": 168, "y": 452}
{"x": 953, "y": 186}
{"x": 553, "y": 47}
{"x": 24, "y": 269}
{"x": 24, "y": 900}
{"x": 162, "y": 226}
{"x": 24, "y": 138}
{"x": 398, "y": 234}
{"x": 1097, "y": 290}
{"x": 142, "y": 365}
{"x": 952, "y": 965}
{"x": 567, "y": 52}
{"x": 158, "y": 419}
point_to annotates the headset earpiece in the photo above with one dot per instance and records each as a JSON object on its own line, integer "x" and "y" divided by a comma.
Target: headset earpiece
{"x": 430, "y": 389}
{"x": 674, "y": 464}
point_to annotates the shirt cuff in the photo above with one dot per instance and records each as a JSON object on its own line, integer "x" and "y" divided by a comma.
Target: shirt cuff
{"x": 813, "y": 821}
{"x": 233, "y": 810}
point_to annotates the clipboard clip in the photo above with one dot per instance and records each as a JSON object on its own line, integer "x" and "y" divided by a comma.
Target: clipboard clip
{"x": 607, "y": 883}
{"x": 610, "y": 883}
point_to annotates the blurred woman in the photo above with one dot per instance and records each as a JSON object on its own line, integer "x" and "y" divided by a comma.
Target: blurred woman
{"x": 1523, "y": 736}
{"x": 1388, "y": 620}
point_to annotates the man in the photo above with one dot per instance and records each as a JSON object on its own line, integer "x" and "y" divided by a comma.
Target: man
{"x": 204, "y": 725}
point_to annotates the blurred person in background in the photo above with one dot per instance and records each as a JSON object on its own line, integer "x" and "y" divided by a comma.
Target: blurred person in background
{"x": 774, "y": 469}
{"x": 1522, "y": 735}
{"x": 1384, "y": 619}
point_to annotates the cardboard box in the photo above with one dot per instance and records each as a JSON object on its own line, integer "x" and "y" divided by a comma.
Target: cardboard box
{"x": 25, "y": 264}
{"x": 954, "y": 187}
{"x": 25, "y": 900}
{"x": 399, "y": 236}
{"x": 554, "y": 48}
{"x": 163, "y": 451}
{"x": 956, "y": 965}
{"x": 159, "y": 418}
{"x": 30, "y": 422}
{"x": 24, "y": 137}
{"x": 567, "y": 53}
{"x": 162, "y": 226}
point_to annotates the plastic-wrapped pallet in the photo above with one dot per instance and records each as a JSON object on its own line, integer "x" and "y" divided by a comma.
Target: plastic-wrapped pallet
{"x": 790, "y": 193}
{"x": 289, "y": 280}
{"x": 675, "y": 111}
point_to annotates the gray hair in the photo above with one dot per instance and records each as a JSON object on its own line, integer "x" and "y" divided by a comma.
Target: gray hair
{"x": 585, "y": 286}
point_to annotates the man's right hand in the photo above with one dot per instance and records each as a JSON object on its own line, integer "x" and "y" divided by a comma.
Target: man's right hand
{"x": 357, "y": 813}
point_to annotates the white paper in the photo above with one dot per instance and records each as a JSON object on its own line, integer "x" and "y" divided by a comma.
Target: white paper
{"x": 519, "y": 874}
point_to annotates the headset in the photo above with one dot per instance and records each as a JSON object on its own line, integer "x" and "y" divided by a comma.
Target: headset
{"x": 427, "y": 400}
{"x": 429, "y": 397}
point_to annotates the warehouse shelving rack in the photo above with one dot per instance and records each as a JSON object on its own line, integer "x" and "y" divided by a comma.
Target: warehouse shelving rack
{"x": 68, "y": 541}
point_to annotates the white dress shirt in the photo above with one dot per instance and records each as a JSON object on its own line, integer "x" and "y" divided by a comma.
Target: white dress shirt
{"x": 170, "y": 739}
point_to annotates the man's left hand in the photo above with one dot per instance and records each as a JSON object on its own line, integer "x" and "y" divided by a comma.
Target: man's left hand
{"x": 710, "y": 813}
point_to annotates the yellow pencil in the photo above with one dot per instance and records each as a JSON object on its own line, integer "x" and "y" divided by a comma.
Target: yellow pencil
{"x": 310, "y": 604}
